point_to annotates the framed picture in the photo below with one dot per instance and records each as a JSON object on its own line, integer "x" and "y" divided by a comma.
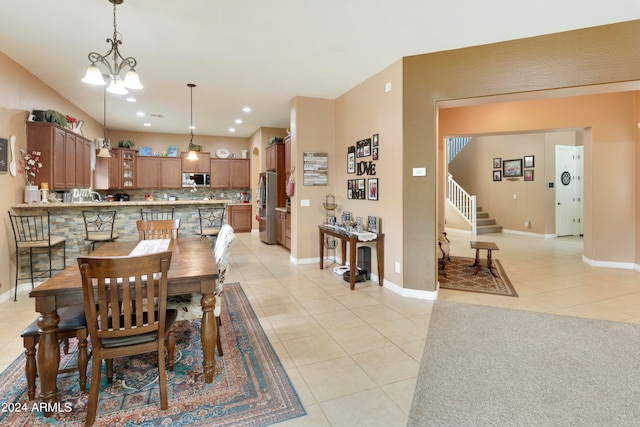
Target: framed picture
{"x": 366, "y": 147}
{"x": 144, "y": 151}
{"x": 375, "y": 139}
{"x": 528, "y": 175}
{"x": 372, "y": 185}
{"x": 497, "y": 176}
{"x": 351, "y": 162}
{"x": 528, "y": 161}
{"x": 512, "y": 168}
{"x": 374, "y": 153}
{"x": 4, "y": 155}
{"x": 172, "y": 151}
{"x": 497, "y": 163}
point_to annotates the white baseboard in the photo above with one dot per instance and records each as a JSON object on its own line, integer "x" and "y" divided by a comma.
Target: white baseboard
{"x": 611, "y": 264}
{"x": 529, "y": 234}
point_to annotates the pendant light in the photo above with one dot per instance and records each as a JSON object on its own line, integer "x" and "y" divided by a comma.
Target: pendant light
{"x": 192, "y": 148}
{"x": 104, "y": 150}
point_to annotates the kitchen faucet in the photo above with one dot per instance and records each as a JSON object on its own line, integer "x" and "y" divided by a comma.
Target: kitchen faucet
{"x": 97, "y": 195}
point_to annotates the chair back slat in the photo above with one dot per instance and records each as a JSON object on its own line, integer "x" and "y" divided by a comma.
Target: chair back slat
{"x": 31, "y": 228}
{"x": 125, "y": 289}
{"x": 156, "y": 214}
{"x": 158, "y": 229}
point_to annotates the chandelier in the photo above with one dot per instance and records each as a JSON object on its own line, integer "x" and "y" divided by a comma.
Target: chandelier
{"x": 192, "y": 147}
{"x": 114, "y": 62}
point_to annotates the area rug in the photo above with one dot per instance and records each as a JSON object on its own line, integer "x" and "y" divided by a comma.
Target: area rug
{"x": 488, "y": 366}
{"x": 251, "y": 388}
{"x": 460, "y": 277}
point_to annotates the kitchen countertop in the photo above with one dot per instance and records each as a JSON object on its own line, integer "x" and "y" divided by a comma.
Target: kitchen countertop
{"x": 160, "y": 202}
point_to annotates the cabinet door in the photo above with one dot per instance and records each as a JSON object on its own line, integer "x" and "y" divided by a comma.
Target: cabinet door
{"x": 270, "y": 154}
{"x": 287, "y": 230}
{"x": 170, "y": 172}
{"x": 70, "y": 160}
{"x": 279, "y": 228}
{"x": 196, "y": 166}
{"x": 147, "y": 173}
{"x": 240, "y": 218}
{"x": 59, "y": 155}
{"x": 83, "y": 162}
{"x": 128, "y": 169}
{"x": 287, "y": 155}
{"x": 240, "y": 173}
{"x": 115, "y": 170}
{"x": 220, "y": 173}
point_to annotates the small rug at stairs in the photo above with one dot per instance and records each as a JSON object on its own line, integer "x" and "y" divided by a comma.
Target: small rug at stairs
{"x": 489, "y": 366}
{"x": 250, "y": 388}
{"x": 460, "y": 277}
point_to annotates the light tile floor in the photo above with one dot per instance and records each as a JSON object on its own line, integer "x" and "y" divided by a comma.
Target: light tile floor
{"x": 353, "y": 356}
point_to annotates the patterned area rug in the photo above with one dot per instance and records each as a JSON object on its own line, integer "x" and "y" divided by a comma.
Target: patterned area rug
{"x": 460, "y": 277}
{"x": 251, "y": 388}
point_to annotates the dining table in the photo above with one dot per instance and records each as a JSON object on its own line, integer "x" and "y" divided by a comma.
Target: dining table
{"x": 193, "y": 270}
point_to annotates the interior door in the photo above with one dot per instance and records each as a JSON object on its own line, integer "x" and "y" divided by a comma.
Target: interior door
{"x": 566, "y": 190}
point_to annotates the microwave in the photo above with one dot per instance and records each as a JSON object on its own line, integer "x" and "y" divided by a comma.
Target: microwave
{"x": 199, "y": 179}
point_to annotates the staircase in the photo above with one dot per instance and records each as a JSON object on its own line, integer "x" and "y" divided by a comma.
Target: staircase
{"x": 484, "y": 224}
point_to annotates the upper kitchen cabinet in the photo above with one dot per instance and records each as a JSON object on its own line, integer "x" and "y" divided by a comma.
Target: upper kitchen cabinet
{"x": 240, "y": 173}
{"x": 275, "y": 157}
{"x": 65, "y": 156}
{"x": 230, "y": 173}
{"x": 158, "y": 172}
{"x": 196, "y": 166}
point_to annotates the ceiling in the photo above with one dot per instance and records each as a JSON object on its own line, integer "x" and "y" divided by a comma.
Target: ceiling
{"x": 256, "y": 53}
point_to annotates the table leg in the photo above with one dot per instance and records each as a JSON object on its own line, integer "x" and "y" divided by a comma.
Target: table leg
{"x": 343, "y": 251}
{"x": 208, "y": 336}
{"x": 380, "y": 253}
{"x": 48, "y": 358}
{"x": 476, "y": 264}
{"x": 352, "y": 265}
{"x": 490, "y": 263}
{"x": 321, "y": 250}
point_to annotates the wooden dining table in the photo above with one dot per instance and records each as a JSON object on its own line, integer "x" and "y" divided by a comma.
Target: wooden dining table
{"x": 193, "y": 269}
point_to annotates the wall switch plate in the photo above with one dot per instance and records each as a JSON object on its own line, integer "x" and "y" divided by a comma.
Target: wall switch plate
{"x": 419, "y": 171}
{"x": 387, "y": 87}
{"x": 305, "y": 202}
{"x": 397, "y": 267}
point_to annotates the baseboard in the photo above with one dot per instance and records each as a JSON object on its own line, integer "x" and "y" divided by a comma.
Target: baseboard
{"x": 611, "y": 264}
{"x": 529, "y": 234}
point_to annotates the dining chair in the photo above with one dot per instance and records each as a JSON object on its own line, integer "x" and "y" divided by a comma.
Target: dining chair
{"x": 211, "y": 220}
{"x": 114, "y": 290}
{"x": 222, "y": 251}
{"x": 156, "y": 214}
{"x": 72, "y": 324}
{"x": 33, "y": 233}
{"x": 158, "y": 229}
{"x": 99, "y": 227}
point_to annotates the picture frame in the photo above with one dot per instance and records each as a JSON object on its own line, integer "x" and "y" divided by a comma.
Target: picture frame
{"x": 497, "y": 175}
{"x": 144, "y": 151}
{"x": 366, "y": 147}
{"x": 528, "y": 175}
{"x": 512, "y": 168}
{"x": 172, "y": 151}
{"x": 351, "y": 162}
{"x": 528, "y": 161}
{"x": 375, "y": 140}
{"x": 374, "y": 153}
{"x": 372, "y": 189}
{"x": 497, "y": 162}
{"x": 4, "y": 155}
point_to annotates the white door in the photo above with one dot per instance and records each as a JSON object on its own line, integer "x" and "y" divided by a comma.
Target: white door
{"x": 566, "y": 190}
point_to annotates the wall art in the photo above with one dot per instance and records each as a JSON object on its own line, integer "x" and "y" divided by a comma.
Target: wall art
{"x": 512, "y": 168}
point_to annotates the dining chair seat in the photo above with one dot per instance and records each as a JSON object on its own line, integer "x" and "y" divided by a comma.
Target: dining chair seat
{"x": 72, "y": 324}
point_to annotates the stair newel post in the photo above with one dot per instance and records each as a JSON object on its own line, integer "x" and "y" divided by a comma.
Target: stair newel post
{"x": 474, "y": 220}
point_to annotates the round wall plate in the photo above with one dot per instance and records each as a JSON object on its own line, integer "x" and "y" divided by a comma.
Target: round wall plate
{"x": 223, "y": 153}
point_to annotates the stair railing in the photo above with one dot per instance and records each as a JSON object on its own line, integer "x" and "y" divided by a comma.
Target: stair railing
{"x": 464, "y": 203}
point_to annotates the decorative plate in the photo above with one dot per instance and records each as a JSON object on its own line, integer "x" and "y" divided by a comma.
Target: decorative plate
{"x": 223, "y": 153}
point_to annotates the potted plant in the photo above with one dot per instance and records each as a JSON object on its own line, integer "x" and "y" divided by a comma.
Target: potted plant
{"x": 275, "y": 140}
{"x": 125, "y": 143}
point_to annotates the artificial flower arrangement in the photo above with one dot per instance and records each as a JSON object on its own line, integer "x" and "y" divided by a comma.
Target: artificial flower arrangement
{"x": 30, "y": 164}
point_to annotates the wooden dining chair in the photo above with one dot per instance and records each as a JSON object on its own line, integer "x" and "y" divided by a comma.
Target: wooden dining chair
{"x": 72, "y": 324}
{"x": 32, "y": 233}
{"x": 114, "y": 290}
{"x": 158, "y": 229}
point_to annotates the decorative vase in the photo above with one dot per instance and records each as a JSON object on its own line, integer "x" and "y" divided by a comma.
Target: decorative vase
{"x": 31, "y": 193}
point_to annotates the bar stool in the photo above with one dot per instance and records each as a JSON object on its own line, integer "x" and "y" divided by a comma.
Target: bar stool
{"x": 211, "y": 220}
{"x": 99, "y": 227}
{"x": 156, "y": 214}
{"x": 31, "y": 233}
{"x": 73, "y": 324}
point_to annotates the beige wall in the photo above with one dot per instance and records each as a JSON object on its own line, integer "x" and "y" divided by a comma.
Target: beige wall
{"x": 577, "y": 58}
{"x": 21, "y": 94}
{"x": 610, "y": 118}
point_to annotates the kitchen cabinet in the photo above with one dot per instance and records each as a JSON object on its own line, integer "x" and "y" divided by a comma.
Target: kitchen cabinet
{"x": 239, "y": 217}
{"x": 196, "y": 166}
{"x": 127, "y": 169}
{"x": 230, "y": 173}
{"x": 65, "y": 156}
{"x": 283, "y": 229}
{"x": 275, "y": 157}
{"x": 158, "y": 172}
{"x": 287, "y": 155}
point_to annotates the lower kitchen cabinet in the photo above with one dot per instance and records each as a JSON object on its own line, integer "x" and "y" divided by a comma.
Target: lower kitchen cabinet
{"x": 283, "y": 229}
{"x": 239, "y": 217}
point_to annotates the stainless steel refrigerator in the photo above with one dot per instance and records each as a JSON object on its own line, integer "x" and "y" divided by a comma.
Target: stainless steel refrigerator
{"x": 266, "y": 210}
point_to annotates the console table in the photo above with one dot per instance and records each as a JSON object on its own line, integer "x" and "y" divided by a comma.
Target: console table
{"x": 353, "y": 241}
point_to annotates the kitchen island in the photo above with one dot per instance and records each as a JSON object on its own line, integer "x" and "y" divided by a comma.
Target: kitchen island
{"x": 67, "y": 219}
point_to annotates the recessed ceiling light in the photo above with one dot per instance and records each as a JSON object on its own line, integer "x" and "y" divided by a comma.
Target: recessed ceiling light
{"x": 140, "y": 114}
{"x": 232, "y": 129}
{"x": 147, "y": 124}
{"x": 131, "y": 99}
{"x": 238, "y": 121}
{"x": 246, "y": 109}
